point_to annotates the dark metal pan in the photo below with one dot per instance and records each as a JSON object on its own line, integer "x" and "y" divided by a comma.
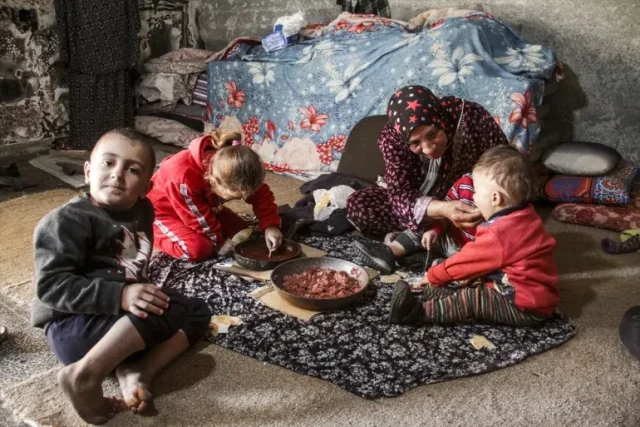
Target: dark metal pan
{"x": 301, "y": 265}
{"x": 253, "y": 254}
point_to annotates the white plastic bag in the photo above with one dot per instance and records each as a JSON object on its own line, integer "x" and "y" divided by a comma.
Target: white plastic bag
{"x": 291, "y": 24}
{"x": 328, "y": 201}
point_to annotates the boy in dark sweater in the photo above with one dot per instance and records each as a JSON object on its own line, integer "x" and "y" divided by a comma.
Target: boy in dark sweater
{"x": 510, "y": 263}
{"x": 93, "y": 298}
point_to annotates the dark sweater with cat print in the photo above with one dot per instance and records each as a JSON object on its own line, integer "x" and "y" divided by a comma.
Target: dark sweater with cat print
{"x": 84, "y": 255}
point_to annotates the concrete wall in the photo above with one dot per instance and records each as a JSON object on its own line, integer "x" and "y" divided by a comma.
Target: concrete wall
{"x": 597, "y": 40}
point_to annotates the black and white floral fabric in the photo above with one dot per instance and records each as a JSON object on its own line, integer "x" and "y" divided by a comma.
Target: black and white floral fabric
{"x": 356, "y": 349}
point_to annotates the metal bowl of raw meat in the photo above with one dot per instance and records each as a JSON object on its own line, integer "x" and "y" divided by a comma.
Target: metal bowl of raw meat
{"x": 309, "y": 282}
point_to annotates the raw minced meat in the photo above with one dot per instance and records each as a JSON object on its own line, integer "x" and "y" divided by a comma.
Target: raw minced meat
{"x": 321, "y": 283}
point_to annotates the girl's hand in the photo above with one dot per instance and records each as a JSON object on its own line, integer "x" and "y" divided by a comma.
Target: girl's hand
{"x": 428, "y": 239}
{"x": 227, "y": 247}
{"x": 273, "y": 238}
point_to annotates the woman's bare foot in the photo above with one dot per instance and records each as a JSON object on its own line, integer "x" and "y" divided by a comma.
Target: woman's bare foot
{"x": 134, "y": 386}
{"x": 85, "y": 394}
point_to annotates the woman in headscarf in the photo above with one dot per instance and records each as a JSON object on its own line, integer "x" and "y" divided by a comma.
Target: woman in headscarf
{"x": 427, "y": 145}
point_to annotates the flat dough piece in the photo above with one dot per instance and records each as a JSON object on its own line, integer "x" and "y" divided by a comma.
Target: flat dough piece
{"x": 479, "y": 342}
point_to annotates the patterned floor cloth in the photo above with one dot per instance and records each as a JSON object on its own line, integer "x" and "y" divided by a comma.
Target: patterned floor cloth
{"x": 356, "y": 349}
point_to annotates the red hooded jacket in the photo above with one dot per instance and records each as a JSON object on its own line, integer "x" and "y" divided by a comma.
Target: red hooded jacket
{"x": 181, "y": 193}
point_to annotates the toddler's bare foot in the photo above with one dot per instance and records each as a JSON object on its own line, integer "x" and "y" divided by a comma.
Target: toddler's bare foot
{"x": 134, "y": 386}
{"x": 85, "y": 394}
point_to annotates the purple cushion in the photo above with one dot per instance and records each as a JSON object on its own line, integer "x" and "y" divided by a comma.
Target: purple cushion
{"x": 611, "y": 189}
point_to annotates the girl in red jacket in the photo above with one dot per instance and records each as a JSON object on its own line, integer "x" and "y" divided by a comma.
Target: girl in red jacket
{"x": 190, "y": 188}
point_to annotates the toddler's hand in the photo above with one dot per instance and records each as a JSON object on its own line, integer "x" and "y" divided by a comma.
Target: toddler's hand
{"x": 423, "y": 282}
{"x": 428, "y": 239}
{"x": 465, "y": 283}
{"x": 273, "y": 237}
{"x": 143, "y": 298}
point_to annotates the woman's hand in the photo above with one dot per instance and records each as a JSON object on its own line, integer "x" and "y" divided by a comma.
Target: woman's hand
{"x": 461, "y": 214}
{"x": 273, "y": 237}
{"x": 428, "y": 239}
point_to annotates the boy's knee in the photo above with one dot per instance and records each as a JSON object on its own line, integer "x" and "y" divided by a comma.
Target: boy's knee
{"x": 197, "y": 323}
{"x": 196, "y": 310}
{"x": 200, "y": 313}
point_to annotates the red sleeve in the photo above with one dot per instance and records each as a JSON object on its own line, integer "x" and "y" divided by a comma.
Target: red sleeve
{"x": 439, "y": 226}
{"x": 474, "y": 260}
{"x": 462, "y": 189}
{"x": 403, "y": 175}
{"x": 264, "y": 207}
{"x": 194, "y": 210}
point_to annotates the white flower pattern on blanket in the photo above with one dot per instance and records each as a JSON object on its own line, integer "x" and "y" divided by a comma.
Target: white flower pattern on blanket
{"x": 299, "y": 154}
{"x": 457, "y": 68}
{"x": 530, "y": 56}
{"x": 262, "y": 73}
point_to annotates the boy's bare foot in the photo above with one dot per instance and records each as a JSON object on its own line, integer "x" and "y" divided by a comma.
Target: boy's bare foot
{"x": 85, "y": 394}
{"x": 134, "y": 386}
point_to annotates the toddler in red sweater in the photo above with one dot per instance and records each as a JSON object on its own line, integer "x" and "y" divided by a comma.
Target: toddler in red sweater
{"x": 509, "y": 266}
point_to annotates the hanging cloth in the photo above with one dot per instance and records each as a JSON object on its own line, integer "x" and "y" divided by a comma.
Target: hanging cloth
{"x": 375, "y": 7}
{"x": 99, "y": 47}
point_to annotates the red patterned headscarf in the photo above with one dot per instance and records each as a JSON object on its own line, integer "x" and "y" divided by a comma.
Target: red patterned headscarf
{"x": 413, "y": 106}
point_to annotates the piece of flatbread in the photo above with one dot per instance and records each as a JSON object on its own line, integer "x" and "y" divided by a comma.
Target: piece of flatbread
{"x": 479, "y": 342}
{"x": 221, "y": 324}
{"x": 390, "y": 278}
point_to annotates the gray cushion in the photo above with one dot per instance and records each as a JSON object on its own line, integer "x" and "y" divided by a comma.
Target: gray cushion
{"x": 581, "y": 158}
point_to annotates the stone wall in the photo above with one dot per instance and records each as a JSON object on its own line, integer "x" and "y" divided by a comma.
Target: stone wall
{"x": 33, "y": 88}
{"x": 597, "y": 40}
{"x": 33, "y": 94}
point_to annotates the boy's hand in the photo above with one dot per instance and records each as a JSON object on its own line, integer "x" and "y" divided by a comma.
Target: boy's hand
{"x": 428, "y": 239}
{"x": 143, "y": 298}
{"x": 273, "y": 237}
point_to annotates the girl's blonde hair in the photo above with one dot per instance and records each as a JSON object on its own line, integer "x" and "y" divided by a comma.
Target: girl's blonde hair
{"x": 238, "y": 169}
{"x": 224, "y": 138}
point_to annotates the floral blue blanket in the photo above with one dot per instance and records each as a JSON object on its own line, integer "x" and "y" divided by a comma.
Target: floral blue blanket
{"x": 296, "y": 106}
